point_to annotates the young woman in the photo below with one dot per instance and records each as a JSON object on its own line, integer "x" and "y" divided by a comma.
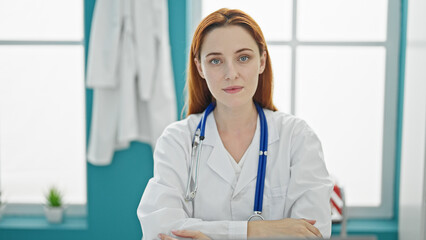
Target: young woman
{"x": 254, "y": 163}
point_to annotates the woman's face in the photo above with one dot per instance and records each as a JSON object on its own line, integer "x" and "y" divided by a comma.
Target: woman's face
{"x": 230, "y": 62}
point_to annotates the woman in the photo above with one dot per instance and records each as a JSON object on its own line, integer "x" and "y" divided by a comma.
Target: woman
{"x": 230, "y": 72}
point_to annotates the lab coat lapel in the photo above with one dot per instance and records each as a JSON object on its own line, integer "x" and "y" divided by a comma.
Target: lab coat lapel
{"x": 218, "y": 159}
{"x": 249, "y": 171}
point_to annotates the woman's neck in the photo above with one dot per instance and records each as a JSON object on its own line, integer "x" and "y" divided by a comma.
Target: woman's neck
{"x": 235, "y": 120}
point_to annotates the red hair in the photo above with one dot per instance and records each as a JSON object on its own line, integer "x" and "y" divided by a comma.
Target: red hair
{"x": 199, "y": 96}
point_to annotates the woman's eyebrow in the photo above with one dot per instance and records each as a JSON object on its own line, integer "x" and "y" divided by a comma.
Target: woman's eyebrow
{"x": 238, "y": 51}
{"x": 244, "y": 49}
{"x": 213, "y": 53}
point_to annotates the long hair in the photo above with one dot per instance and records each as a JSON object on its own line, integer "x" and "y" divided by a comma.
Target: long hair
{"x": 199, "y": 96}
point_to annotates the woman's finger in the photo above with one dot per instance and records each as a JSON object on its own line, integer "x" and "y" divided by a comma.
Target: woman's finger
{"x": 313, "y": 229}
{"x": 190, "y": 234}
{"x": 312, "y": 222}
{"x": 165, "y": 237}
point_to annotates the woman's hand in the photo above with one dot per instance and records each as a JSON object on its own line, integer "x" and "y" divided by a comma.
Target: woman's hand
{"x": 258, "y": 229}
{"x": 284, "y": 227}
{"x": 184, "y": 234}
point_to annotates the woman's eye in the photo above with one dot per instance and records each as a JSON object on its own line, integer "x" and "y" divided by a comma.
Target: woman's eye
{"x": 244, "y": 58}
{"x": 215, "y": 61}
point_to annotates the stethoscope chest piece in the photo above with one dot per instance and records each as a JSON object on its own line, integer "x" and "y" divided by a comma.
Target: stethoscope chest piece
{"x": 256, "y": 217}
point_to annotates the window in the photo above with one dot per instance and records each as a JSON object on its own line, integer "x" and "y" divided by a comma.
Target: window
{"x": 335, "y": 65}
{"x": 42, "y": 103}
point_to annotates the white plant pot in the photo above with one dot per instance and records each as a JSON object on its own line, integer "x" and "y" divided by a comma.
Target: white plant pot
{"x": 54, "y": 214}
{"x": 2, "y": 207}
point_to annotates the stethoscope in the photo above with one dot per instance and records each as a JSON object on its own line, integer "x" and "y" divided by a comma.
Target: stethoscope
{"x": 197, "y": 144}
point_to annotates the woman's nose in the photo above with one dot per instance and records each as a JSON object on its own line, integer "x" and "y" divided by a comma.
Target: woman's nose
{"x": 231, "y": 72}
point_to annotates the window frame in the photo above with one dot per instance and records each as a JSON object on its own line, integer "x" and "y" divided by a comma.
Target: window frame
{"x": 390, "y": 118}
{"x": 37, "y": 209}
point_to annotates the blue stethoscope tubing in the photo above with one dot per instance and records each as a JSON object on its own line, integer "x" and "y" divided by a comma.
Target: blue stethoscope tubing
{"x": 261, "y": 170}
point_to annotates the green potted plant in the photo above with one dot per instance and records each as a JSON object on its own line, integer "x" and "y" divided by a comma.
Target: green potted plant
{"x": 54, "y": 209}
{"x": 2, "y": 206}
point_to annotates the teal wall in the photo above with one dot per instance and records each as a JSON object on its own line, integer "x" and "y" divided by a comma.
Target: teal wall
{"x": 114, "y": 191}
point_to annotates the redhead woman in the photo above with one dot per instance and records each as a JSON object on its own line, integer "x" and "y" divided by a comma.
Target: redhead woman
{"x": 235, "y": 167}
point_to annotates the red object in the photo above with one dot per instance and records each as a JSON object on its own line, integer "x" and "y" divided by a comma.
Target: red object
{"x": 336, "y": 199}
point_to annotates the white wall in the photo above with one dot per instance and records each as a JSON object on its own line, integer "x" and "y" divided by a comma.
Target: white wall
{"x": 412, "y": 212}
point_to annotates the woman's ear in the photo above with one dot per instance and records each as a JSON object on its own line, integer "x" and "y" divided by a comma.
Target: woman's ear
{"x": 263, "y": 59}
{"x": 200, "y": 70}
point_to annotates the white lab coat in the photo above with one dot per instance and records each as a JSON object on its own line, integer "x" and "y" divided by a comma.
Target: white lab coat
{"x": 129, "y": 68}
{"x": 297, "y": 184}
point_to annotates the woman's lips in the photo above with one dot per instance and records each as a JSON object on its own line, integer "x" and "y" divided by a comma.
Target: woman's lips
{"x": 233, "y": 89}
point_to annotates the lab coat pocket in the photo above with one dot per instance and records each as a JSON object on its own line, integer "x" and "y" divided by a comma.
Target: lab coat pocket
{"x": 275, "y": 199}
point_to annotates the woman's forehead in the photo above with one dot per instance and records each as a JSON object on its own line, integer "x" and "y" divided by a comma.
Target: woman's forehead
{"x": 227, "y": 39}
